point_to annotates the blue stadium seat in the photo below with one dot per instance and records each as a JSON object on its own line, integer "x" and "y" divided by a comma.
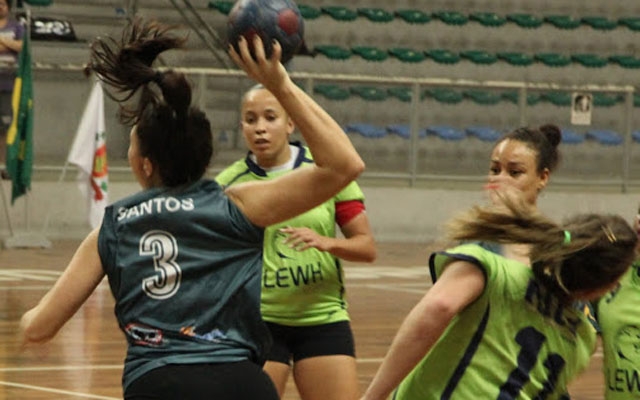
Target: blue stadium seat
{"x": 446, "y": 132}
{"x": 366, "y": 130}
{"x": 606, "y": 137}
{"x": 569, "y": 136}
{"x": 484, "y": 133}
{"x": 635, "y": 135}
{"x": 404, "y": 130}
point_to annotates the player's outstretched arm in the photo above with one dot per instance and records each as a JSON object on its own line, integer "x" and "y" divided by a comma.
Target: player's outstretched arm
{"x": 70, "y": 291}
{"x": 459, "y": 285}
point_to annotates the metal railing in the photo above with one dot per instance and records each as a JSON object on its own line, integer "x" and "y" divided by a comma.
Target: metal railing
{"x": 412, "y": 174}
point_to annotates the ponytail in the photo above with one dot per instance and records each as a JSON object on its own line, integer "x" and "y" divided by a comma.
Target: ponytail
{"x": 586, "y": 253}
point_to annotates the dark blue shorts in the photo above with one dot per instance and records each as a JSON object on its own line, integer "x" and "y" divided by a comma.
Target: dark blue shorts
{"x": 300, "y": 342}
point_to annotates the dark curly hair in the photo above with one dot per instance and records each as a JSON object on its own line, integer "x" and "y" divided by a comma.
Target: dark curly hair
{"x": 544, "y": 140}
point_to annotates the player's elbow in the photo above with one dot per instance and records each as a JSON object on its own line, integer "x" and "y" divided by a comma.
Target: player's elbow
{"x": 442, "y": 309}
{"x": 356, "y": 168}
{"x": 370, "y": 255}
{"x": 349, "y": 171}
{"x": 32, "y": 332}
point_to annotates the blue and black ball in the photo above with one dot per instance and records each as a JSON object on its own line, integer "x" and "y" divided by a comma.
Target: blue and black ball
{"x": 270, "y": 19}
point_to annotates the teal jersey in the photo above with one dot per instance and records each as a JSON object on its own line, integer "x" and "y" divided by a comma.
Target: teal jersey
{"x": 184, "y": 268}
{"x": 619, "y": 318}
{"x": 514, "y": 342}
{"x": 299, "y": 288}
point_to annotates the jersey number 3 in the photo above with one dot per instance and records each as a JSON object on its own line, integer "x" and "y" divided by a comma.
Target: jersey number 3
{"x": 163, "y": 248}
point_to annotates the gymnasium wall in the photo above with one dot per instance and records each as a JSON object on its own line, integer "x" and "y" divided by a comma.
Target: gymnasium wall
{"x": 398, "y": 214}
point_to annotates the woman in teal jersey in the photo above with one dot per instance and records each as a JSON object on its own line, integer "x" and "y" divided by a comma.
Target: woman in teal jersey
{"x": 183, "y": 256}
{"x": 496, "y": 328}
{"x": 303, "y": 294}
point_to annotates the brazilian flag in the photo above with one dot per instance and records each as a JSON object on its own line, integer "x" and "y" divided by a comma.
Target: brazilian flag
{"x": 20, "y": 135}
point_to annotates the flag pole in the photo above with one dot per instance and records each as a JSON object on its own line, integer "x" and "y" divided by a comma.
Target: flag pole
{"x": 26, "y": 239}
{"x": 47, "y": 218}
{"x": 6, "y": 209}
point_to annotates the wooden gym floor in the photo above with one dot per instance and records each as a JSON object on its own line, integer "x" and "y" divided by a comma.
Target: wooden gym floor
{"x": 85, "y": 360}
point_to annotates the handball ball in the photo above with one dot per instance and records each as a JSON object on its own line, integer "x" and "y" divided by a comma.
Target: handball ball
{"x": 270, "y": 19}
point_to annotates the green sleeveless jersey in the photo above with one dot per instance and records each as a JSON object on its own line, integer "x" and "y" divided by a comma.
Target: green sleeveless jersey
{"x": 513, "y": 342}
{"x": 299, "y": 288}
{"x": 184, "y": 268}
{"x": 619, "y": 318}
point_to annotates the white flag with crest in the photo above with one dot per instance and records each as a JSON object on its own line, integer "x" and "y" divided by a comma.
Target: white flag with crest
{"x": 89, "y": 154}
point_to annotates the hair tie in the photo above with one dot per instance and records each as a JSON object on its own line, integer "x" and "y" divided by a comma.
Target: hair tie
{"x": 567, "y": 237}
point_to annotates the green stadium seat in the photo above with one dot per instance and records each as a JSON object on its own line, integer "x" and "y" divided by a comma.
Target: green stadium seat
{"x": 369, "y": 93}
{"x": 562, "y": 21}
{"x": 512, "y": 97}
{"x": 401, "y": 93}
{"x": 443, "y": 56}
{"x": 557, "y": 98}
{"x": 625, "y": 61}
{"x": 222, "y": 6}
{"x": 39, "y": 3}
{"x": 525, "y": 20}
{"x": 340, "y": 13}
{"x": 488, "y": 19}
{"x": 370, "y": 53}
{"x": 599, "y": 23}
{"x": 443, "y": 95}
{"x": 606, "y": 100}
{"x": 632, "y": 23}
{"x": 375, "y": 14}
{"x": 309, "y": 12}
{"x": 483, "y": 97}
{"x": 553, "y": 59}
{"x": 590, "y": 60}
{"x": 515, "y": 58}
{"x": 333, "y": 52}
{"x": 413, "y": 16}
{"x": 407, "y": 55}
{"x": 332, "y": 92}
{"x": 479, "y": 56}
{"x": 451, "y": 17}
{"x": 636, "y": 100}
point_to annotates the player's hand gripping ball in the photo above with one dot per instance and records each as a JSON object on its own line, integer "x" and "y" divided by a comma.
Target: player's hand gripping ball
{"x": 270, "y": 19}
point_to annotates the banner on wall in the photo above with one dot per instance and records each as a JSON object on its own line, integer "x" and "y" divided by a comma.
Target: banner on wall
{"x": 581, "y": 106}
{"x": 48, "y": 28}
